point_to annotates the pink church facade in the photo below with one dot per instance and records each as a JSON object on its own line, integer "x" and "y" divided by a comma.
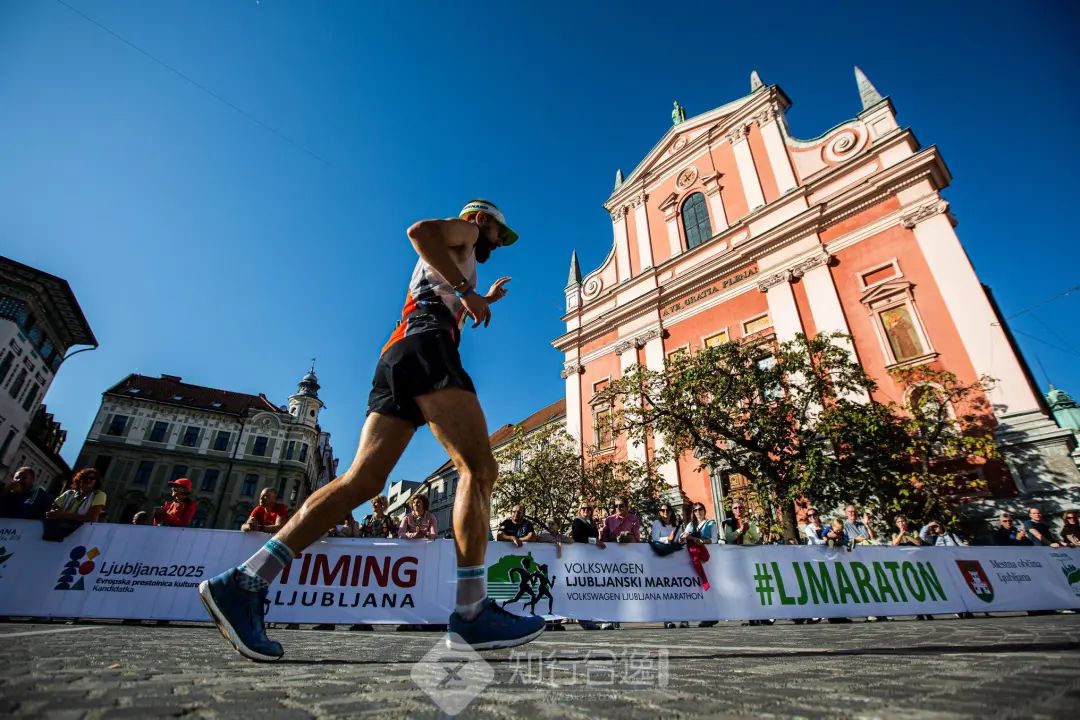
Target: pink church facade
{"x": 731, "y": 228}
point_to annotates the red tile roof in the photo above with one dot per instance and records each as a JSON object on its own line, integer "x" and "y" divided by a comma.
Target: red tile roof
{"x": 171, "y": 390}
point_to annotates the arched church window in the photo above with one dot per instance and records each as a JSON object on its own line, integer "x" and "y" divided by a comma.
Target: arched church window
{"x": 696, "y": 221}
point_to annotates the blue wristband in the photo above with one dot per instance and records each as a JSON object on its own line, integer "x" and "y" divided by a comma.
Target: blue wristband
{"x": 463, "y": 293}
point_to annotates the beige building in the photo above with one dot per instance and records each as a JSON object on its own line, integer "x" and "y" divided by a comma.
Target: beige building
{"x": 152, "y": 430}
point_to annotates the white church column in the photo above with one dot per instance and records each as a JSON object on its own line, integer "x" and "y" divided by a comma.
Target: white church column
{"x": 744, "y": 160}
{"x": 717, "y": 213}
{"x": 776, "y": 150}
{"x": 971, "y": 312}
{"x": 824, "y": 301}
{"x": 628, "y": 357}
{"x": 622, "y": 244}
{"x": 641, "y": 227}
{"x": 782, "y": 309}
{"x": 573, "y": 401}
{"x": 654, "y": 360}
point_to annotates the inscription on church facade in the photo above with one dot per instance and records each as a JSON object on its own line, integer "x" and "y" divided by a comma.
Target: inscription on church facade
{"x": 722, "y": 284}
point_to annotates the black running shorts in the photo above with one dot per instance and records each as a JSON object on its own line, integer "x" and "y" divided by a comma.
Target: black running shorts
{"x": 416, "y": 365}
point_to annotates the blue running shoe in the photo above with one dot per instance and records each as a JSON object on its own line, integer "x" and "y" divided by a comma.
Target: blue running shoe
{"x": 493, "y": 628}
{"x": 238, "y": 614}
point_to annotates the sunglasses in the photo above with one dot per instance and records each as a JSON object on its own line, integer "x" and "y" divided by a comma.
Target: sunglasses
{"x": 736, "y": 507}
{"x": 664, "y": 510}
{"x": 699, "y": 509}
{"x": 619, "y": 505}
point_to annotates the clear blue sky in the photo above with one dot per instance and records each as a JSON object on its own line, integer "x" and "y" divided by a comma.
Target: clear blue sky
{"x": 202, "y": 244}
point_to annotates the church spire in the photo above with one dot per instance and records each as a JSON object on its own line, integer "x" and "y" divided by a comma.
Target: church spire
{"x": 575, "y": 271}
{"x": 755, "y": 81}
{"x": 867, "y": 92}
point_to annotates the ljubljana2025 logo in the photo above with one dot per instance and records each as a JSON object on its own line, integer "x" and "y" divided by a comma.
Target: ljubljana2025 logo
{"x": 80, "y": 563}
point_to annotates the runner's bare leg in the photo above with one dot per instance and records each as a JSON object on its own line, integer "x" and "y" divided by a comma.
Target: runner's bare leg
{"x": 458, "y": 423}
{"x": 382, "y": 442}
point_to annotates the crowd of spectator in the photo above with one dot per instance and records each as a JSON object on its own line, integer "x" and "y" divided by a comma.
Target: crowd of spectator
{"x": 670, "y": 529}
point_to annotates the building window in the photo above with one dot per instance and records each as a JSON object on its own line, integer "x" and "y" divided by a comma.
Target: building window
{"x": 770, "y": 387}
{"x": 209, "y": 481}
{"x": 303, "y": 452}
{"x": 248, "y": 488}
{"x": 260, "y": 446}
{"x": 289, "y": 449}
{"x": 603, "y": 431}
{"x": 17, "y": 383}
{"x": 899, "y": 328}
{"x": 30, "y": 397}
{"x": 238, "y": 520}
{"x": 281, "y": 487}
{"x": 142, "y": 474}
{"x": 718, "y": 339}
{"x": 191, "y": 436}
{"x": 756, "y": 325}
{"x": 35, "y": 336}
{"x": 7, "y": 442}
{"x": 117, "y": 425}
{"x": 102, "y": 463}
{"x": 696, "y": 221}
{"x": 221, "y": 442}
{"x": 679, "y": 353}
{"x": 5, "y": 366}
{"x": 157, "y": 433}
{"x": 178, "y": 471}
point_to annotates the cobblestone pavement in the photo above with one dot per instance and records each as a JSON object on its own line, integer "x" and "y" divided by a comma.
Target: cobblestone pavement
{"x": 1002, "y": 667}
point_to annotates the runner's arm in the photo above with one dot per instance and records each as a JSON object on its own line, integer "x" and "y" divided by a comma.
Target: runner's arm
{"x": 432, "y": 240}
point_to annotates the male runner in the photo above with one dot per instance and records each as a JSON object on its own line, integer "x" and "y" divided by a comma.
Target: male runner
{"x": 419, "y": 379}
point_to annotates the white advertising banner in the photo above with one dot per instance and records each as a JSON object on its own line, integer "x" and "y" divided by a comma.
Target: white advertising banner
{"x": 124, "y": 571}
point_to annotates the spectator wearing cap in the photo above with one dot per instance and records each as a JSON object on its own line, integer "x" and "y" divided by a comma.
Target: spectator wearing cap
{"x": 269, "y": 515}
{"x": 178, "y": 510}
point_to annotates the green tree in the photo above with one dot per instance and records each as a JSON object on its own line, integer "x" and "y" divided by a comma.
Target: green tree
{"x": 791, "y": 417}
{"x": 946, "y": 431}
{"x": 544, "y": 470}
